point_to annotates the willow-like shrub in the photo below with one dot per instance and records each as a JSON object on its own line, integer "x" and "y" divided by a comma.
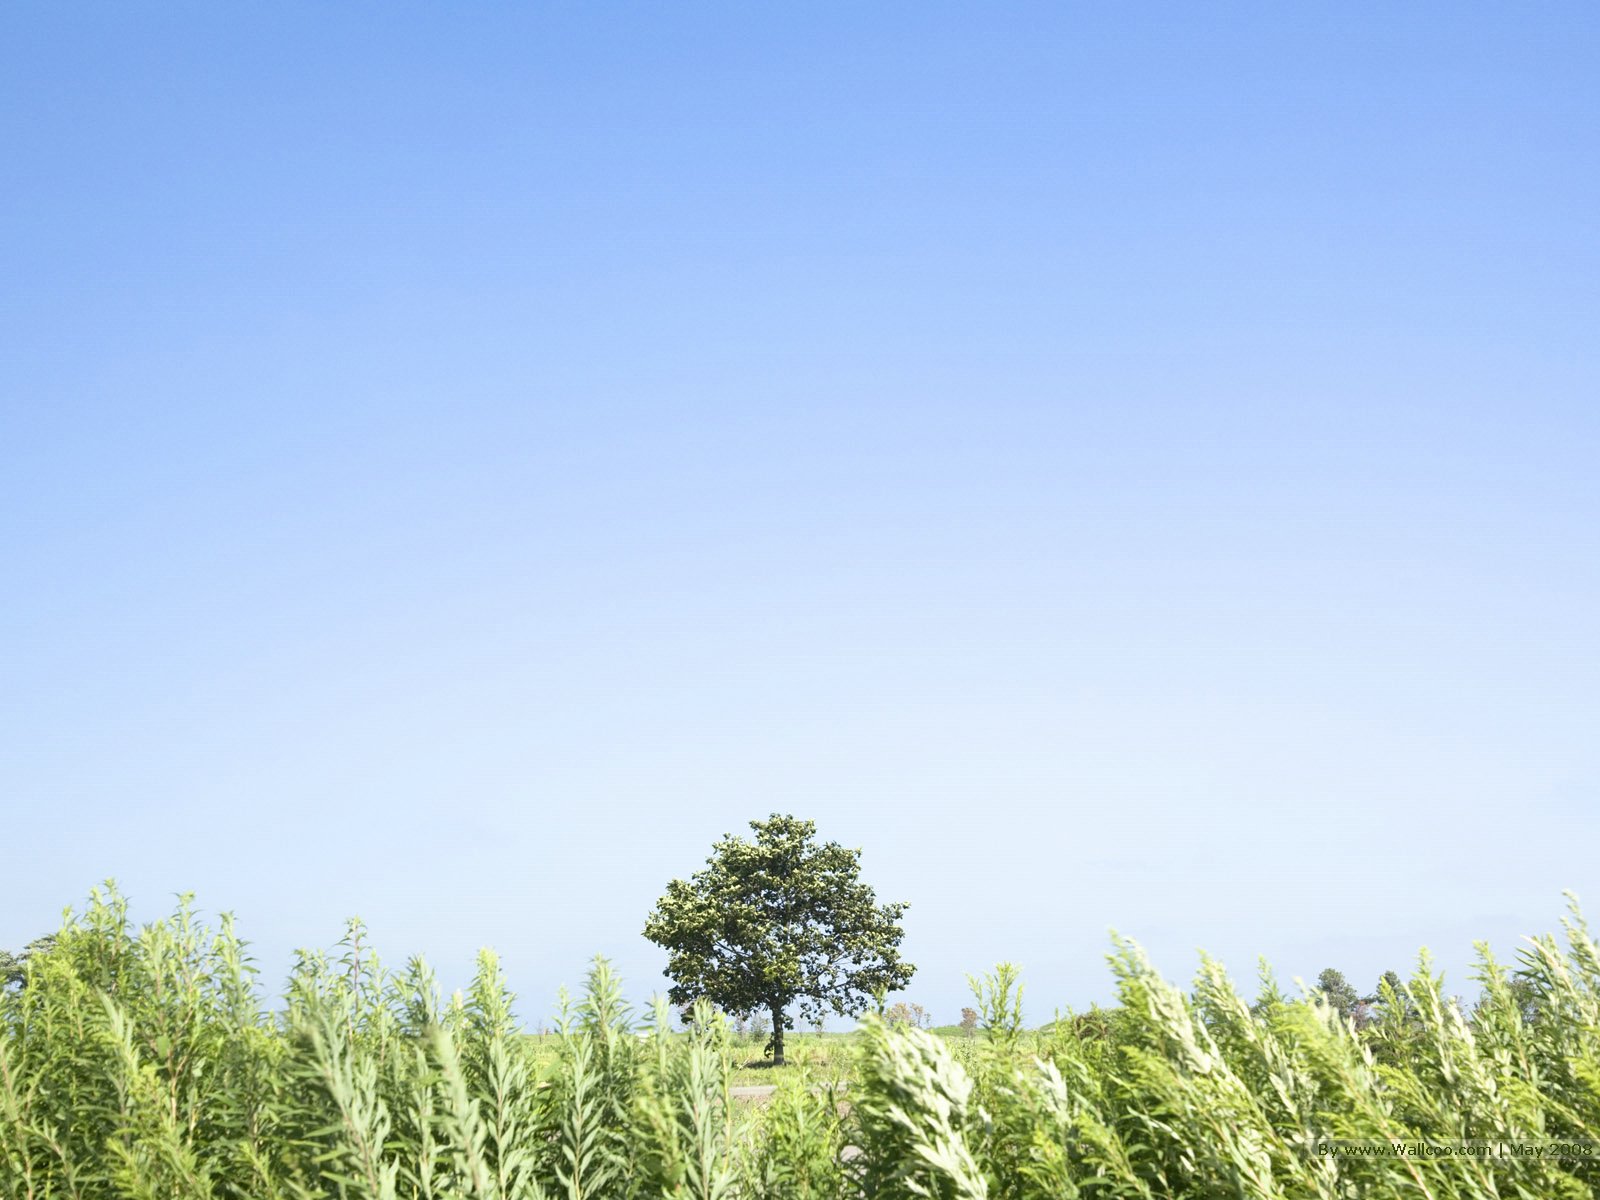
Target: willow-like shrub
{"x": 143, "y": 1063}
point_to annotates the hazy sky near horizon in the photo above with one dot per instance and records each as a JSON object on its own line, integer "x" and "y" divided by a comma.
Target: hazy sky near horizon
{"x": 1121, "y": 465}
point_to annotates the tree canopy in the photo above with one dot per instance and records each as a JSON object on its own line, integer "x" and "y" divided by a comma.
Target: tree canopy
{"x": 777, "y": 924}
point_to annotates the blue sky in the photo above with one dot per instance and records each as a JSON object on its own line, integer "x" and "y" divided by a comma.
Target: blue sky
{"x": 1122, "y": 466}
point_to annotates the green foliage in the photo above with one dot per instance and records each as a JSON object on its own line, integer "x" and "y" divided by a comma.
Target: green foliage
{"x": 797, "y": 1147}
{"x": 778, "y": 924}
{"x": 911, "y": 1117}
{"x": 1341, "y": 996}
{"x": 14, "y": 967}
{"x": 141, "y": 1063}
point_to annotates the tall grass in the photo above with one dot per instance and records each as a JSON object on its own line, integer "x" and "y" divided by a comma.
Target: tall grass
{"x": 143, "y": 1063}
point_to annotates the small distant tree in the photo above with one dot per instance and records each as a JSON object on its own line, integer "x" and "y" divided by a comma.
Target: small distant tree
{"x": 969, "y": 1022}
{"x": 1390, "y": 999}
{"x": 901, "y": 1013}
{"x": 1394, "y": 982}
{"x": 1342, "y": 996}
{"x": 779, "y": 923}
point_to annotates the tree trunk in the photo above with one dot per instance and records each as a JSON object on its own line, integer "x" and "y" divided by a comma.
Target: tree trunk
{"x": 777, "y": 1035}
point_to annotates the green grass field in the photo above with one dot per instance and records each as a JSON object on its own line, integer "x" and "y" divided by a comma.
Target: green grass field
{"x": 816, "y": 1057}
{"x": 144, "y": 1063}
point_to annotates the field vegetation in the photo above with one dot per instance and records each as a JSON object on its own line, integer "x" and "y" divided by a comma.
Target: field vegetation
{"x": 145, "y": 1063}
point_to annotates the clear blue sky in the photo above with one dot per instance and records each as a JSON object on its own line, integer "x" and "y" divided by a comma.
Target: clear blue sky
{"x": 1120, "y": 465}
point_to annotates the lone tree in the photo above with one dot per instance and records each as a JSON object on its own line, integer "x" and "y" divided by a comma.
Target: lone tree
{"x": 777, "y": 923}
